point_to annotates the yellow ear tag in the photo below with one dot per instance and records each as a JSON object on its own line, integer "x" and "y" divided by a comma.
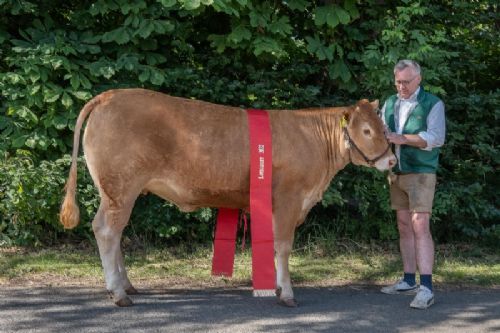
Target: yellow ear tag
{"x": 343, "y": 122}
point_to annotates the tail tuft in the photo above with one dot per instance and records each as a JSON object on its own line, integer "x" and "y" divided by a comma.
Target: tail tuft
{"x": 69, "y": 215}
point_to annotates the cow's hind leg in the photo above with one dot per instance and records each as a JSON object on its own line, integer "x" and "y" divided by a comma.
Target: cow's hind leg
{"x": 108, "y": 226}
{"x": 127, "y": 285}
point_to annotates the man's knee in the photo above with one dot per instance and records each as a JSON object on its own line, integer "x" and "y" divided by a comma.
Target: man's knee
{"x": 420, "y": 223}
{"x": 404, "y": 222}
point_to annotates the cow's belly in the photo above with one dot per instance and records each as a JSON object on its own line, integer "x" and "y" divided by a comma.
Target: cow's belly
{"x": 189, "y": 198}
{"x": 171, "y": 191}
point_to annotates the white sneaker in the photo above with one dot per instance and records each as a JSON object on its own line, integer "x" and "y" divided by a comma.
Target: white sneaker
{"x": 400, "y": 287}
{"x": 423, "y": 299}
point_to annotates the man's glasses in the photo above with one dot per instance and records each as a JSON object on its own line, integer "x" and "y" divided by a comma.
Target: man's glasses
{"x": 404, "y": 83}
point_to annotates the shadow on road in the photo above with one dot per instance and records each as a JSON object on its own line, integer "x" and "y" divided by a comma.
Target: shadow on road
{"x": 361, "y": 309}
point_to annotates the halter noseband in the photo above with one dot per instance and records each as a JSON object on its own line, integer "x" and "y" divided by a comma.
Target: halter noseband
{"x": 350, "y": 142}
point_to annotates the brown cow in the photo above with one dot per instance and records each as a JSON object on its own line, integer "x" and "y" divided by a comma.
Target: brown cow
{"x": 196, "y": 154}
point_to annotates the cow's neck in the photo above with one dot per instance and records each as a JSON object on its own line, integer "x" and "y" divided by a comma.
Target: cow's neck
{"x": 324, "y": 128}
{"x": 331, "y": 137}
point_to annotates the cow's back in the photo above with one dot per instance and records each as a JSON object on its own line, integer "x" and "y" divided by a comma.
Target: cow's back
{"x": 191, "y": 150}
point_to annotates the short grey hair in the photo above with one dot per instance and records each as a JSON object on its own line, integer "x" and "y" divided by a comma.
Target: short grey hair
{"x": 402, "y": 64}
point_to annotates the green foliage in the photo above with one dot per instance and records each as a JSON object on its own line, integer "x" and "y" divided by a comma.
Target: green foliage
{"x": 365, "y": 214}
{"x": 30, "y": 197}
{"x": 155, "y": 220}
{"x": 467, "y": 203}
{"x": 55, "y": 55}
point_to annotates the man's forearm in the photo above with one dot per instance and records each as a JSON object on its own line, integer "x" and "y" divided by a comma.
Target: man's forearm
{"x": 413, "y": 140}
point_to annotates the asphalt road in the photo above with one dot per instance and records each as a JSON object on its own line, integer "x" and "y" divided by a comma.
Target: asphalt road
{"x": 354, "y": 309}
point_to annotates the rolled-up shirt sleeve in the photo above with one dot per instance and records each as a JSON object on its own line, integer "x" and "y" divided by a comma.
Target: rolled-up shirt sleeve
{"x": 436, "y": 127}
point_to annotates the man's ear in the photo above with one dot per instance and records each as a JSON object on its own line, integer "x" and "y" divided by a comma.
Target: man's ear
{"x": 419, "y": 78}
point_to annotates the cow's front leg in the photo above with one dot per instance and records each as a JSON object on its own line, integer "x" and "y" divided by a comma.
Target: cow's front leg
{"x": 287, "y": 214}
{"x": 283, "y": 282}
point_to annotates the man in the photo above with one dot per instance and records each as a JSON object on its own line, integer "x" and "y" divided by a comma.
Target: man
{"x": 416, "y": 126}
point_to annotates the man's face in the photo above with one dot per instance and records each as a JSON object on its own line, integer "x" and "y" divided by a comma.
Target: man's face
{"x": 407, "y": 82}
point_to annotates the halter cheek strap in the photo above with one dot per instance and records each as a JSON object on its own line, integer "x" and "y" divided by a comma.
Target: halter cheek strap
{"x": 350, "y": 142}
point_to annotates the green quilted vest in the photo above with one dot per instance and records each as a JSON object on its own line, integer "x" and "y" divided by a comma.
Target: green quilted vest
{"x": 413, "y": 159}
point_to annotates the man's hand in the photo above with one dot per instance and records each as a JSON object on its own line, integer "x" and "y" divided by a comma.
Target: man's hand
{"x": 397, "y": 139}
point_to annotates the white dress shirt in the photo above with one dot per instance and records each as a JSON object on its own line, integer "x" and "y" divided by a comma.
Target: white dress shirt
{"x": 436, "y": 125}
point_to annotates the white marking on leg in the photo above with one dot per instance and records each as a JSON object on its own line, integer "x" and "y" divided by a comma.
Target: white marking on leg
{"x": 283, "y": 250}
{"x": 108, "y": 241}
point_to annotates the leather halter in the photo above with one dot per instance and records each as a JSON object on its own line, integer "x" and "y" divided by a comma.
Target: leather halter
{"x": 350, "y": 142}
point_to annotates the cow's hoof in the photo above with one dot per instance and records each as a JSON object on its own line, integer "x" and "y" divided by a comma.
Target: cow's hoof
{"x": 289, "y": 302}
{"x": 131, "y": 291}
{"x": 278, "y": 292}
{"x": 124, "y": 302}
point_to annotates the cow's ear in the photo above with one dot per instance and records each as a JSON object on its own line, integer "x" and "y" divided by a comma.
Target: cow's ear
{"x": 375, "y": 104}
{"x": 348, "y": 112}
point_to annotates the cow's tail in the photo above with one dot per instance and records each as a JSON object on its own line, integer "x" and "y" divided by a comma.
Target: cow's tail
{"x": 69, "y": 216}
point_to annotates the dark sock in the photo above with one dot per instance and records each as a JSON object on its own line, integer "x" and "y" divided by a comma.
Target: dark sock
{"x": 409, "y": 278}
{"x": 426, "y": 280}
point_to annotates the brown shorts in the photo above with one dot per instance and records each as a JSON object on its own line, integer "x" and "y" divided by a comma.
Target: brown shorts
{"x": 413, "y": 191}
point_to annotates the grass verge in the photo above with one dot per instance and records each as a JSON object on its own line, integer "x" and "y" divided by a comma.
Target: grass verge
{"x": 345, "y": 263}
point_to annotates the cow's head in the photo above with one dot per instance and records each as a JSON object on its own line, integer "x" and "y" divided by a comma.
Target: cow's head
{"x": 364, "y": 135}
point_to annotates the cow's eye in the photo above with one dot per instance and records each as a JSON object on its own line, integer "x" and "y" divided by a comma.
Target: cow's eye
{"x": 366, "y": 132}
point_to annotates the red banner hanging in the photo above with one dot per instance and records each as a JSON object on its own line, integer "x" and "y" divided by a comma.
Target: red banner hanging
{"x": 263, "y": 270}
{"x": 261, "y": 217}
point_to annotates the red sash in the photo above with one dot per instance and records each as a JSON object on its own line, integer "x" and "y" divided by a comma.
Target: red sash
{"x": 224, "y": 242}
{"x": 263, "y": 270}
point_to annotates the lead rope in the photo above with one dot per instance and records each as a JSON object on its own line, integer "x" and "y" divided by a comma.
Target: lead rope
{"x": 244, "y": 224}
